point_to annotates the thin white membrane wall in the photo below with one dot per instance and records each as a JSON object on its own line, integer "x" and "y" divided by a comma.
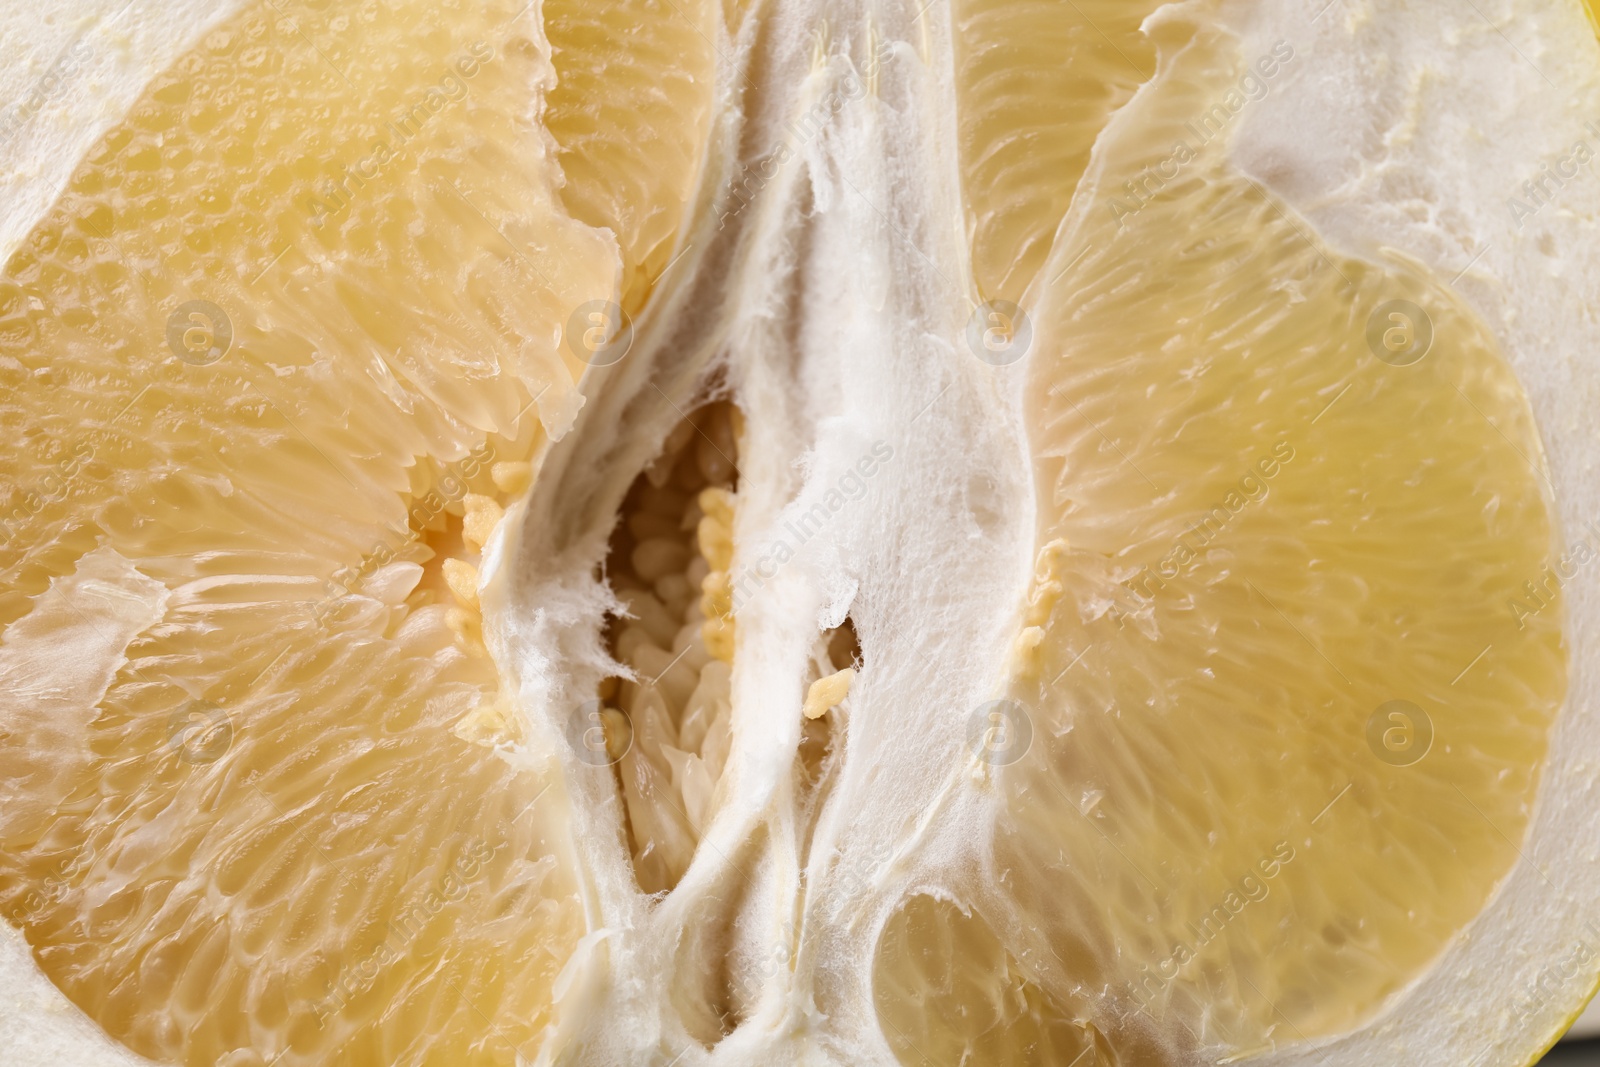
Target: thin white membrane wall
{"x": 1414, "y": 127}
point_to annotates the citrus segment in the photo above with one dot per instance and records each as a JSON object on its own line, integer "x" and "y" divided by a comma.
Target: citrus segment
{"x": 1312, "y": 539}
{"x": 1299, "y": 645}
{"x": 273, "y": 355}
{"x": 951, "y": 994}
{"x": 631, "y": 111}
{"x": 1035, "y": 82}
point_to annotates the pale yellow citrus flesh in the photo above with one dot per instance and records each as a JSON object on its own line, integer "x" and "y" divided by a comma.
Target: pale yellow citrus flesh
{"x": 1271, "y": 534}
{"x": 329, "y": 874}
{"x": 1036, "y": 81}
{"x": 631, "y": 111}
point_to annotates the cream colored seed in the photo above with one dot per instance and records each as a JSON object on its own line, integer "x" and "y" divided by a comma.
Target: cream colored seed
{"x": 631, "y": 638}
{"x": 717, "y": 634}
{"x": 716, "y": 595}
{"x": 494, "y": 722}
{"x": 483, "y": 514}
{"x": 658, "y": 557}
{"x": 1047, "y": 587}
{"x": 674, "y": 587}
{"x": 468, "y": 625}
{"x": 718, "y": 503}
{"x": 1025, "y": 652}
{"x": 827, "y": 692}
{"x": 462, "y": 578}
{"x": 512, "y": 479}
{"x": 1041, "y": 602}
{"x": 716, "y": 543}
{"x": 1049, "y": 557}
{"x": 652, "y": 615}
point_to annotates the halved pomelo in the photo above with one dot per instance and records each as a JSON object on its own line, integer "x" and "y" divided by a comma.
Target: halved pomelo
{"x": 1019, "y": 593}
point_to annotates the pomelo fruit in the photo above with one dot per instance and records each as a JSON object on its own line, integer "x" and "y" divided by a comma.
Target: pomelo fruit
{"x": 691, "y": 532}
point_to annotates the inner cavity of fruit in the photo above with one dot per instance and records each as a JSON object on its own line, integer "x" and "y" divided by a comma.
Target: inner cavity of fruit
{"x": 668, "y": 723}
{"x": 669, "y": 563}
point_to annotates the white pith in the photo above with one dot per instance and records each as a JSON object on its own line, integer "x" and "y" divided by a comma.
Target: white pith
{"x": 847, "y": 328}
